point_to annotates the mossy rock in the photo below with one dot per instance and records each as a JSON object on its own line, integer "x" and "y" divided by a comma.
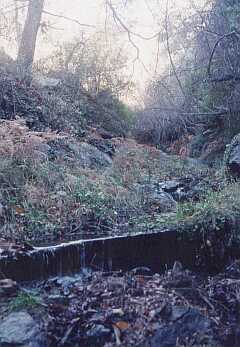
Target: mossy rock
{"x": 231, "y": 160}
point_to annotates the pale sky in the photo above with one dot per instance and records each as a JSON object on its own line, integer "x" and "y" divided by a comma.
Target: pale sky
{"x": 141, "y": 15}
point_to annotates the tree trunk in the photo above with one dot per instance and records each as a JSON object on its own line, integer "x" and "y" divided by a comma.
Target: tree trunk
{"x": 29, "y": 36}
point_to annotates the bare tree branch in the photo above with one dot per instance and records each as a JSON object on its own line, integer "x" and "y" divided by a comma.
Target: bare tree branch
{"x": 166, "y": 109}
{"x": 169, "y": 53}
{"x": 231, "y": 34}
{"x": 69, "y": 19}
{"x": 125, "y": 27}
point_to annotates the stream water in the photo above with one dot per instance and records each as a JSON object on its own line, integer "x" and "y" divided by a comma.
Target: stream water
{"x": 157, "y": 251}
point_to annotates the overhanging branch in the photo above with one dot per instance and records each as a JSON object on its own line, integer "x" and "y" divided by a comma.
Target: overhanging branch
{"x": 166, "y": 109}
{"x": 69, "y": 19}
{"x": 231, "y": 34}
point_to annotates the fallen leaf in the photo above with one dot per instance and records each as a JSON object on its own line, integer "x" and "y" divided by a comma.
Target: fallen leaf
{"x": 19, "y": 210}
{"x": 121, "y": 325}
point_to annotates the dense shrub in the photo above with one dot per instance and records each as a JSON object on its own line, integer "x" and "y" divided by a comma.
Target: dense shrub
{"x": 156, "y": 127}
{"x": 65, "y": 107}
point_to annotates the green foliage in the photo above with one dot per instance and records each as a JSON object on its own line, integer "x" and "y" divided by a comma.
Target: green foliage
{"x": 126, "y": 113}
{"x": 218, "y": 213}
{"x": 113, "y": 114}
{"x": 24, "y": 301}
{"x": 93, "y": 198}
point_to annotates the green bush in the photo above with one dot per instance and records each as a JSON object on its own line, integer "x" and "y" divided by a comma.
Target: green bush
{"x": 24, "y": 301}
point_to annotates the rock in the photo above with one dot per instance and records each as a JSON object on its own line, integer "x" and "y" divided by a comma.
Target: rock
{"x": 8, "y": 287}
{"x": 1, "y": 210}
{"x": 181, "y": 280}
{"x": 178, "y": 277}
{"x": 170, "y": 313}
{"x": 40, "y": 156}
{"x": 176, "y": 188}
{"x": 90, "y": 157}
{"x": 177, "y": 268}
{"x": 104, "y": 146}
{"x": 65, "y": 281}
{"x": 188, "y": 325}
{"x": 20, "y": 329}
{"x": 155, "y": 198}
{"x": 42, "y": 147}
{"x": 141, "y": 271}
{"x": 232, "y": 157}
{"x": 162, "y": 201}
{"x": 41, "y": 151}
{"x": 178, "y": 312}
{"x": 105, "y": 134}
{"x": 84, "y": 153}
{"x": 171, "y": 186}
{"x": 58, "y": 299}
{"x": 195, "y": 192}
{"x": 97, "y": 335}
{"x": 231, "y": 337}
{"x": 186, "y": 188}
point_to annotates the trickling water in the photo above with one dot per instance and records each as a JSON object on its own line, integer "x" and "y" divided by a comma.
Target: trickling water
{"x": 83, "y": 256}
{"x": 113, "y": 253}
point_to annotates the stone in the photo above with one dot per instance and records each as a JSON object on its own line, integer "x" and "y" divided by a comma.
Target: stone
{"x": 1, "y": 210}
{"x": 178, "y": 312}
{"x": 105, "y": 146}
{"x": 187, "y": 324}
{"x": 8, "y": 287}
{"x": 196, "y": 192}
{"x": 42, "y": 147}
{"x": 171, "y": 186}
{"x": 177, "y": 268}
{"x": 232, "y": 158}
{"x": 181, "y": 280}
{"x": 65, "y": 281}
{"x": 58, "y": 299}
{"x": 90, "y": 157}
{"x": 163, "y": 202}
{"x": 105, "y": 134}
{"x": 40, "y": 156}
{"x": 141, "y": 271}
{"x": 98, "y": 334}
{"x": 155, "y": 198}
{"x": 20, "y": 329}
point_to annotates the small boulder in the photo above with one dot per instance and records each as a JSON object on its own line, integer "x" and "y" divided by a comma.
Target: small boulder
{"x": 105, "y": 146}
{"x": 162, "y": 201}
{"x": 97, "y": 335}
{"x": 171, "y": 186}
{"x": 188, "y": 325}
{"x": 155, "y": 198}
{"x": 8, "y": 287}
{"x": 105, "y": 134}
{"x": 90, "y": 157}
{"x": 1, "y": 210}
{"x": 232, "y": 157}
{"x": 20, "y": 329}
{"x": 141, "y": 271}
